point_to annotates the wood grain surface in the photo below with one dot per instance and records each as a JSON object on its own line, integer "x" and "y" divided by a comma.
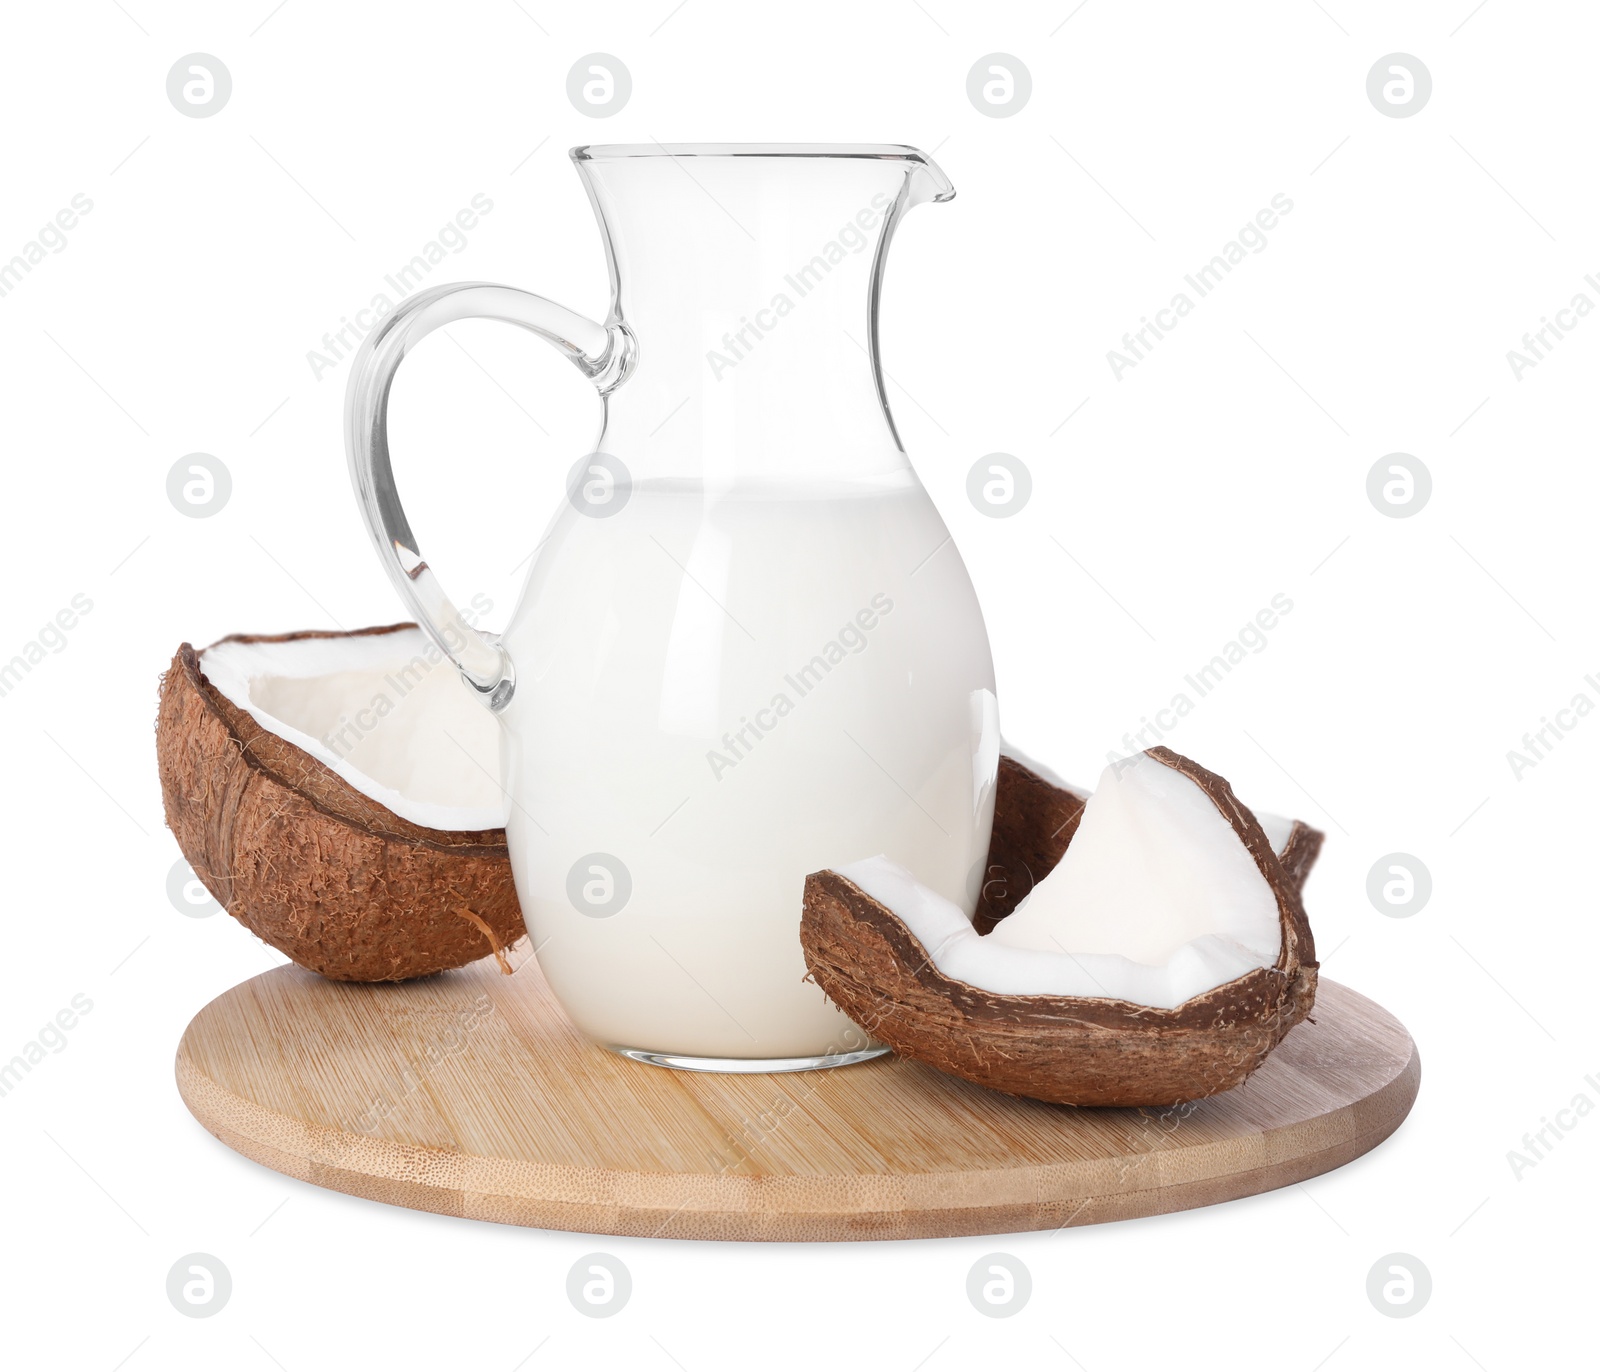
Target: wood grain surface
{"x": 470, "y": 1094}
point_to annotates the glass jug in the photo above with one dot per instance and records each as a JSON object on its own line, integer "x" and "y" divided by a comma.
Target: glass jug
{"x": 747, "y": 648}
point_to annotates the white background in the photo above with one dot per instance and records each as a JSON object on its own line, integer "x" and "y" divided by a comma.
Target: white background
{"x": 1175, "y": 502}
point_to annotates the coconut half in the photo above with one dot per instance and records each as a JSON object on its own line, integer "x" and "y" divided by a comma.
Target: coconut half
{"x": 1148, "y": 942}
{"x": 339, "y": 794}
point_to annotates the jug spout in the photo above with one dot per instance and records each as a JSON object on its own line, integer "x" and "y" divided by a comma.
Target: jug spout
{"x": 928, "y": 184}
{"x": 749, "y": 277}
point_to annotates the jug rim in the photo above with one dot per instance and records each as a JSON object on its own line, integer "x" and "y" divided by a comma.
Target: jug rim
{"x": 897, "y": 152}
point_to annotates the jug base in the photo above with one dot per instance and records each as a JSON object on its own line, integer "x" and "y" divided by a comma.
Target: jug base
{"x": 686, "y": 1063}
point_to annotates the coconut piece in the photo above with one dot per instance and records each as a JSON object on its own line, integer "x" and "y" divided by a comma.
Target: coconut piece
{"x": 1036, "y": 814}
{"x": 1154, "y": 867}
{"x": 1082, "y": 1027}
{"x": 274, "y": 777}
{"x": 1298, "y": 852}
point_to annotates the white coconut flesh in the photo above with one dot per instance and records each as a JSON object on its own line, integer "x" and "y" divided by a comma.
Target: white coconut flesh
{"x": 387, "y": 712}
{"x": 1155, "y": 901}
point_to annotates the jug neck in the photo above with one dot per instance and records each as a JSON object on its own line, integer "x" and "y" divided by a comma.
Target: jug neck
{"x": 749, "y": 278}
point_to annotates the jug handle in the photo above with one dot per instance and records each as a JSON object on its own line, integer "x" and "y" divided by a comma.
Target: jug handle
{"x": 602, "y": 352}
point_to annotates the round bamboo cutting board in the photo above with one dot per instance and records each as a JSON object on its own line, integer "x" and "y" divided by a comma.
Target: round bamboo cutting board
{"x": 470, "y": 1094}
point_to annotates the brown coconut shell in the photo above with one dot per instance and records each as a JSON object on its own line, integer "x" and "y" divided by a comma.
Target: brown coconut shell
{"x": 331, "y": 878}
{"x": 1299, "y": 854}
{"x": 1067, "y": 1049}
{"x": 1034, "y": 821}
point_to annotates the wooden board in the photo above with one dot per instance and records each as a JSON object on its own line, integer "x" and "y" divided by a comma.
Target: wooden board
{"x": 469, "y": 1094}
